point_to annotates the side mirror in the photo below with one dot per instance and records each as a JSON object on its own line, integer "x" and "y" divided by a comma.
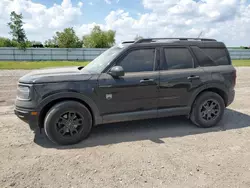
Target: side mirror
{"x": 117, "y": 71}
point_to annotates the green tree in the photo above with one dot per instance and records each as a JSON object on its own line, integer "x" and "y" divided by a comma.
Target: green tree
{"x": 5, "y": 42}
{"x": 16, "y": 27}
{"x": 51, "y": 43}
{"x": 36, "y": 44}
{"x": 99, "y": 39}
{"x": 68, "y": 39}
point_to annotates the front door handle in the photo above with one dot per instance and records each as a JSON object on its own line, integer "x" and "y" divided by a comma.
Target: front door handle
{"x": 193, "y": 77}
{"x": 148, "y": 81}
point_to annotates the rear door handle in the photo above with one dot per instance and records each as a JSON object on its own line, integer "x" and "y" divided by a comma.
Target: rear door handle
{"x": 147, "y": 81}
{"x": 193, "y": 77}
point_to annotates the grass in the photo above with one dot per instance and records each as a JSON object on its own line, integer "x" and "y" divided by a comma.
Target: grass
{"x": 44, "y": 64}
{"x": 39, "y": 64}
{"x": 241, "y": 63}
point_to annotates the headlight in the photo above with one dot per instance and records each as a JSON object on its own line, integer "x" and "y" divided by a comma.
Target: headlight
{"x": 23, "y": 92}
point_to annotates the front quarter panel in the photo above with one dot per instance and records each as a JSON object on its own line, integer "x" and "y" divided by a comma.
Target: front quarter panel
{"x": 84, "y": 91}
{"x": 46, "y": 90}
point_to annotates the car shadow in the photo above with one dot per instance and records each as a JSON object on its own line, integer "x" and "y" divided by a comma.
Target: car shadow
{"x": 154, "y": 130}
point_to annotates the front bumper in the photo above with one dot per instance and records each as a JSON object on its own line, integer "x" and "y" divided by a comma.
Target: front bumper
{"x": 27, "y": 115}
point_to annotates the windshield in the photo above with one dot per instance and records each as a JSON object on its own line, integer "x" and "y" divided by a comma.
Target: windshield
{"x": 102, "y": 61}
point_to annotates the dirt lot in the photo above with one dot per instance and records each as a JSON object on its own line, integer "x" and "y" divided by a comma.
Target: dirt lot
{"x": 169, "y": 152}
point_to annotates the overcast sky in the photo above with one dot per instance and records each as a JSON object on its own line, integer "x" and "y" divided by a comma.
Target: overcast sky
{"x": 225, "y": 20}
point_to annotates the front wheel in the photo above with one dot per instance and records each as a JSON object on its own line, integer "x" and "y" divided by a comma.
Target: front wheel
{"x": 68, "y": 123}
{"x": 208, "y": 110}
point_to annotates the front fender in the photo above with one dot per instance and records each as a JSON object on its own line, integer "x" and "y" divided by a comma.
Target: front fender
{"x": 72, "y": 95}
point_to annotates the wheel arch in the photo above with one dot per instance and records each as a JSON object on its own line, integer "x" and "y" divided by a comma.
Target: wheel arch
{"x": 216, "y": 88}
{"x": 54, "y": 99}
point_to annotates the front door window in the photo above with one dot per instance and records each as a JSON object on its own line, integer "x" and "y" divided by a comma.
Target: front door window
{"x": 141, "y": 60}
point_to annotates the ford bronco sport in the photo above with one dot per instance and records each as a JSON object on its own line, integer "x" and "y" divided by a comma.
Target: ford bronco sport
{"x": 147, "y": 78}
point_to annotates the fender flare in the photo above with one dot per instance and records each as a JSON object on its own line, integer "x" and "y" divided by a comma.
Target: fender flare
{"x": 73, "y": 95}
{"x": 218, "y": 86}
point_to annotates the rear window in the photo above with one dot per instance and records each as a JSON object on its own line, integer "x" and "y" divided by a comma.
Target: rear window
{"x": 211, "y": 56}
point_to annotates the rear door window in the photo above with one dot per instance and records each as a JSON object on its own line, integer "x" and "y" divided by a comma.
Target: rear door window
{"x": 177, "y": 58}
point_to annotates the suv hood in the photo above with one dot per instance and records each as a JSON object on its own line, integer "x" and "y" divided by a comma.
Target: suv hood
{"x": 55, "y": 75}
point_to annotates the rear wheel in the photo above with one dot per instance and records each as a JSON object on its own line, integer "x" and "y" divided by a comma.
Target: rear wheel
{"x": 68, "y": 123}
{"x": 208, "y": 110}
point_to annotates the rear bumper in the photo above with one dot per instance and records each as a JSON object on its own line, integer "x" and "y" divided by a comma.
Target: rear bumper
{"x": 231, "y": 96}
{"x": 26, "y": 116}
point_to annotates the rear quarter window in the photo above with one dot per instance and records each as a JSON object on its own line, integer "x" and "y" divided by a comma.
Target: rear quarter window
{"x": 218, "y": 55}
{"x": 211, "y": 56}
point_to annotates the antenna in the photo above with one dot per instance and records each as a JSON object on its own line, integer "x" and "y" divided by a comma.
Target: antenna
{"x": 200, "y": 34}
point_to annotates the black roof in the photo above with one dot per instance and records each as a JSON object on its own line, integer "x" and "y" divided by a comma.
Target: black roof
{"x": 201, "y": 42}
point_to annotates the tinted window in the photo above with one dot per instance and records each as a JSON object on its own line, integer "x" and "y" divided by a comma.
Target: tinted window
{"x": 202, "y": 57}
{"x": 218, "y": 55}
{"x": 178, "y": 58}
{"x": 139, "y": 61}
{"x": 103, "y": 60}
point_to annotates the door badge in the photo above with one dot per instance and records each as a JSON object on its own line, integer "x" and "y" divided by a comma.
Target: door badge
{"x": 108, "y": 96}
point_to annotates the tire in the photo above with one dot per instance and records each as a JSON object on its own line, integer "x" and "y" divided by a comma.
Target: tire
{"x": 202, "y": 108}
{"x": 68, "y": 123}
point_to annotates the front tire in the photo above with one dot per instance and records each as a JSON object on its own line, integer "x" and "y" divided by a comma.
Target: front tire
{"x": 207, "y": 110}
{"x": 68, "y": 123}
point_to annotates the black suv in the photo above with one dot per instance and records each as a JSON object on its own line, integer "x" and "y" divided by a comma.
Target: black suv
{"x": 147, "y": 78}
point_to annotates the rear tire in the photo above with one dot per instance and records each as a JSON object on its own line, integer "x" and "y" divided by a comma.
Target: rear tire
{"x": 207, "y": 110}
{"x": 68, "y": 123}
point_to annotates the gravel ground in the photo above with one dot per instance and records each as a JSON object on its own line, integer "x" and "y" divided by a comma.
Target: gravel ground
{"x": 169, "y": 152}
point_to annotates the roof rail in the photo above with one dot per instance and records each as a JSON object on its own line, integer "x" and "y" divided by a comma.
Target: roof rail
{"x": 125, "y": 42}
{"x": 180, "y": 39}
